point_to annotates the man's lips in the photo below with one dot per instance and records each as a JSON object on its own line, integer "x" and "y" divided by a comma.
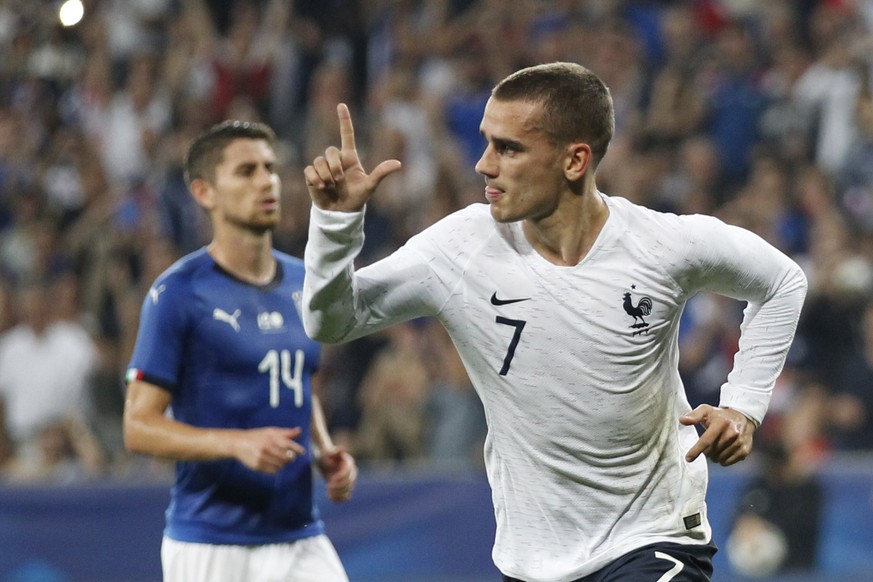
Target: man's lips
{"x": 492, "y": 194}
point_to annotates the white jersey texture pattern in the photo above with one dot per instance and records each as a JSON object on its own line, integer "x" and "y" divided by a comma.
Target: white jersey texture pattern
{"x": 576, "y": 366}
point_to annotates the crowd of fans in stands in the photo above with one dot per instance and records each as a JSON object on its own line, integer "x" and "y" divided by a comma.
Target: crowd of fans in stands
{"x": 760, "y": 113}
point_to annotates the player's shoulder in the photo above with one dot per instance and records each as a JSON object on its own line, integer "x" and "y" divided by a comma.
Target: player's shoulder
{"x": 172, "y": 289}
{"x": 637, "y": 218}
{"x": 474, "y": 219}
{"x": 180, "y": 279}
{"x": 187, "y": 267}
{"x": 456, "y": 234}
{"x": 475, "y": 213}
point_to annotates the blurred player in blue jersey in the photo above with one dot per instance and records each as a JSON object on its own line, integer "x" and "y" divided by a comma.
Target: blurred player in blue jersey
{"x": 221, "y": 346}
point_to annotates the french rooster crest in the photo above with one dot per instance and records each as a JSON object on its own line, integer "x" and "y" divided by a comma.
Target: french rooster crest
{"x": 639, "y": 311}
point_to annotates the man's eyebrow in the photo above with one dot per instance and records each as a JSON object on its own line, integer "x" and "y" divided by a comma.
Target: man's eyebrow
{"x": 248, "y": 166}
{"x": 506, "y": 142}
{"x": 245, "y": 166}
{"x": 503, "y": 141}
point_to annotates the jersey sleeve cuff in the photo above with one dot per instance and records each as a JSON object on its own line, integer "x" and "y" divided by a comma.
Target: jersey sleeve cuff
{"x": 752, "y": 404}
{"x": 137, "y": 374}
{"x": 337, "y": 219}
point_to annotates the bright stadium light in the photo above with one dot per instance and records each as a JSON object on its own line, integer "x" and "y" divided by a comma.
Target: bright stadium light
{"x": 71, "y": 12}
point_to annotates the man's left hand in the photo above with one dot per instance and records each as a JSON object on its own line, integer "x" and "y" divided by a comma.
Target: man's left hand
{"x": 727, "y": 435}
{"x": 341, "y": 473}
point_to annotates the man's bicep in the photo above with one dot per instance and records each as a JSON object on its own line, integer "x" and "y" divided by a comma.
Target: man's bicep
{"x": 403, "y": 286}
{"x": 145, "y": 399}
{"x": 735, "y": 262}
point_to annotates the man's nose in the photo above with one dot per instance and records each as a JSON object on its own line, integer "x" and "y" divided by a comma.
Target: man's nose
{"x": 264, "y": 177}
{"x": 485, "y": 165}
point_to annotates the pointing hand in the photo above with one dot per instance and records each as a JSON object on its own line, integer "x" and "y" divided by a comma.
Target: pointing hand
{"x": 337, "y": 180}
{"x": 727, "y": 435}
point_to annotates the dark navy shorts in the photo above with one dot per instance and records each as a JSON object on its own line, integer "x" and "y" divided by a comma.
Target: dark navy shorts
{"x": 660, "y": 562}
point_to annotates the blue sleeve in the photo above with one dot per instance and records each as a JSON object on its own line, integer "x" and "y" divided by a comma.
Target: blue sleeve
{"x": 158, "y": 353}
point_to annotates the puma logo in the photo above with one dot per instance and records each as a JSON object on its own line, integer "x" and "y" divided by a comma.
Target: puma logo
{"x": 222, "y": 315}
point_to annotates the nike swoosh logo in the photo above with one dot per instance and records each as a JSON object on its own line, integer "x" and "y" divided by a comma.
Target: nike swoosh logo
{"x": 496, "y": 301}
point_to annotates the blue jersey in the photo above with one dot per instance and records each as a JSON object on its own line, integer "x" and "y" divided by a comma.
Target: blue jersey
{"x": 233, "y": 355}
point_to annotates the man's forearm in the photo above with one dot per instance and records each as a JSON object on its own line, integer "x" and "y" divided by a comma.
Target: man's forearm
{"x": 335, "y": 239}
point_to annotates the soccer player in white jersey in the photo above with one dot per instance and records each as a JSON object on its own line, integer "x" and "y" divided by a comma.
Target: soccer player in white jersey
{"x": 222, "y": 346}
{"x": 564, "y": 305}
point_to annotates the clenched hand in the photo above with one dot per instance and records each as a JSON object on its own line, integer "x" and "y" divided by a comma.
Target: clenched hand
{"x": 341, "y": 473}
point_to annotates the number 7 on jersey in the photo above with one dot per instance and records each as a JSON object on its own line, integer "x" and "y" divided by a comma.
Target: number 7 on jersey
{"x": 518, "y": 324}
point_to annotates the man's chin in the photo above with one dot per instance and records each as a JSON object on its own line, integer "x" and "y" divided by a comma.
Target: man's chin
{"x": 500, "y": 216}
{"x": 262, "y": 227}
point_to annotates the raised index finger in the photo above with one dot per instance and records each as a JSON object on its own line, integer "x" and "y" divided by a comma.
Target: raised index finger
{"x": 347, "y": 130}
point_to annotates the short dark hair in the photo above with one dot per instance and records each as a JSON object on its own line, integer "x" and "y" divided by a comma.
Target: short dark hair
{"x": 576, "y": 103}
{"x": 207, "y": 151}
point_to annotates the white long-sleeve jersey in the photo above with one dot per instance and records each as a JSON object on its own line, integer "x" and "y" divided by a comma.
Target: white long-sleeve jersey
{"x": 576, "y": 366}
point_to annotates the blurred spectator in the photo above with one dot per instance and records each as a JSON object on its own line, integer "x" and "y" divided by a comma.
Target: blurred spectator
{"x": 696, "y": 185}
{"x": 7, "y": 309}
{"x": 616, "y": 58}
{"x": 464, "y": 107}
{"x": 405, "y": 134}
{"x": 20, "y": 241}
{"x": 133, "y": 26}
{"x": 335, "y": 31}
{"x": 291, "y": 233}
{"x": 66, "y": 451}
{"x": 841, "y": 280}
{"x": 800, "y": 421}
{"x": 342, "y": 371}
{"x": 851, "y": 408}
{"x": 778, "y": 521}
{"x": 46, "y": 365}
{"x": 181, "y": 220}
{"x": 786, "y": 125}
{"x": 245, "y": 55}
{"x": 454, "y": 419}
{"x": 676, "y": 104}
{"x": 132, "y": 126}
{"x": 734, "y": 99}
{"x": 856, "y": 175}
{"x": 331, "y": 84}
{"x": 708, "y": 340}
{"x": 828, "y": 89}
{"x": 765, "y": 205}
{"x": 393, "y": 397}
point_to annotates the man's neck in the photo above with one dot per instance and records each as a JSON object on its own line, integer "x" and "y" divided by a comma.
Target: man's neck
{"x": 249, "y": 257}
{"x": 565, "y": 237}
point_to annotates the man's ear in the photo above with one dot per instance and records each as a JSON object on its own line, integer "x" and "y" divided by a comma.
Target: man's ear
{"x": 577, "y": 161}
{"x": 203, "y": 193}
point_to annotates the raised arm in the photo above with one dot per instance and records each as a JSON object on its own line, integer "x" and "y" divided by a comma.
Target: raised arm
{"x": 339, "y": 188}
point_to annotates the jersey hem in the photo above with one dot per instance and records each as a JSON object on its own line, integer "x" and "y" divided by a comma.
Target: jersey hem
{"x": 192, "y": 535}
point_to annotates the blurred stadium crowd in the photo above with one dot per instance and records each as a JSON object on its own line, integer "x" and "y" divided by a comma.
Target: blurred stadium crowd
{"x": 760, "y": 113}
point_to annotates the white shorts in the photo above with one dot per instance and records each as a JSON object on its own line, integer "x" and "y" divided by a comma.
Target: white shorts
{"x": 312, "y": 559}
